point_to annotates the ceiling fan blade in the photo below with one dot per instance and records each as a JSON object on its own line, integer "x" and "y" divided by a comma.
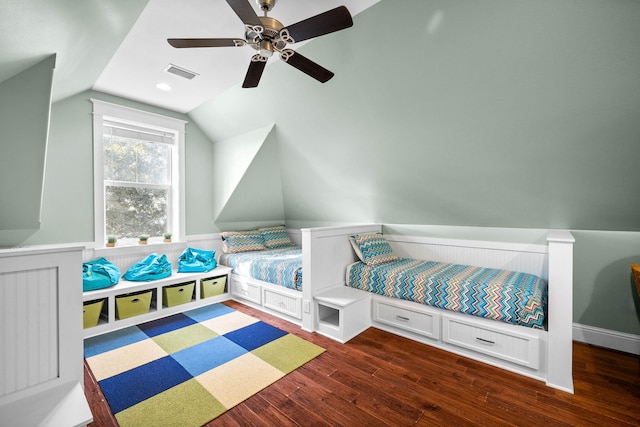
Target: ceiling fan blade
{"x": 182, "y": 43}
{"x": 328, "y": 22}
{"x": 306, "y": 65}
{"x": 245, "y": 12}
{"x": 254, "y": 73}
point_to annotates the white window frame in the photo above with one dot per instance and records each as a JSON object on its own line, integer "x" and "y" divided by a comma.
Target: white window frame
{"x": 116, "y": 113}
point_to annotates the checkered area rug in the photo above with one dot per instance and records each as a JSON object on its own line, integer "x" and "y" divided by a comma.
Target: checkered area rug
{"x": 189, "y": 368}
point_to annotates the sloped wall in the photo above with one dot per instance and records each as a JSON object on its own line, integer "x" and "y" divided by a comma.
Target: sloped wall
{"x": 246, "y": 177}
{"x": 25, "y": 104}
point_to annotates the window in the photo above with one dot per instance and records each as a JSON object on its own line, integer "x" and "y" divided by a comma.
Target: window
{"x": 138, "y": 174}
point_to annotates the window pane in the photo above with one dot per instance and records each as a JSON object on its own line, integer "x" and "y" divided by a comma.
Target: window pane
{"x": 134, "y": 211}
{"x": 134, "y": 160}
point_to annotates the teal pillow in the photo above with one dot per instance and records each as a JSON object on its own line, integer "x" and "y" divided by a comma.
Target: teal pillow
{"x": 275, "y": 237}
{"x": 242, "y": 241}
{"x": 372, "y": 249}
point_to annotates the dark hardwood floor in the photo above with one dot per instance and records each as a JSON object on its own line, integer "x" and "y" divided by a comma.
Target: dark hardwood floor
{"x": 380, "y": 379}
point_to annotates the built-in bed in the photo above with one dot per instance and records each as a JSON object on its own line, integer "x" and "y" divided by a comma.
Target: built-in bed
{"x": 512, "y": 297}
{"x": 538, "y": 345}
{"x": 267, "y": 270}
{"x": 544, "y": 354}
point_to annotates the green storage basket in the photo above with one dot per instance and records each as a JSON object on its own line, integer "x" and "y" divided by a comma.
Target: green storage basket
{"x": 181, "y": 293}
{"x": 91, "y": 313}
{"x": 212, "y": 286}
{"x": 133, "y": 304}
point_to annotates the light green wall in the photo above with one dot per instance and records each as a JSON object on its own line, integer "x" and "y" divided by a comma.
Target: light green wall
{"x": 247, "y": 186}
{"x": 495, "y": 118}
{"x": 25, "y": 101}
{"x": 67, "y": 209}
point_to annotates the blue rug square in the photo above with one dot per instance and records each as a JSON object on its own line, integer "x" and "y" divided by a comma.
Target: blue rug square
{"x": 255, "y": 335}
{"x": 209, "y": 312}
{"x": 166, "y": 324}
{"x": 208, "y": 355}
{"x": 113, "y": 340}
{"x": 128, "y": 388}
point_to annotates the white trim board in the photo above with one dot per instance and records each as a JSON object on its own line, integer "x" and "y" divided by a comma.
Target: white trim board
{"x": 607, "y": 338}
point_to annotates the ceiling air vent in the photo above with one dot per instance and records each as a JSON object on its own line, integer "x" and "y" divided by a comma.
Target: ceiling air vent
{"x": 179, "y": 71}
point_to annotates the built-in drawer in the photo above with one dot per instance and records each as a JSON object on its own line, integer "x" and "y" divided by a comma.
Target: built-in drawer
{"x": 286, "y": 304}
{"x": 242, "y": 288}
{"x": 416, "y": 321}
{"x": 517, "y": 348}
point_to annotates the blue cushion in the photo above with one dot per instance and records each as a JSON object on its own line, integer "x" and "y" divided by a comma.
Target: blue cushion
{"x": 276, "y": 237}
{"x": 372, "y": 249}
{"x": 242, "y": 241}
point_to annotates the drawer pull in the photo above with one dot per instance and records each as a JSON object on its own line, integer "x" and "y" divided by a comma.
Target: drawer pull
{"x": 483, "y": 341}
{"x": 181, "y": 290}
{"x": 402, "y": 318}
{"x": 135, "y": 300}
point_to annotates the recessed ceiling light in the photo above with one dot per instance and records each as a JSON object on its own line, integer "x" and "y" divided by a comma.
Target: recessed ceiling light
{"x": 163, "y": 86}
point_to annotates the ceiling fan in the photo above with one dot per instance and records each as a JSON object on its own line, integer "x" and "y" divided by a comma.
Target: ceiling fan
{"x": 267, "y": 35}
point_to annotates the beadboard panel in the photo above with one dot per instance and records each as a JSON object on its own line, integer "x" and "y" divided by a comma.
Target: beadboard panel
{"x": 29, "y": 329}
{"x": 526, "y": 258}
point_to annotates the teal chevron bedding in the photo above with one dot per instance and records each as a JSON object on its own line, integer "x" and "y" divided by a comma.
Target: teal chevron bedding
{"x": 281, "y": 266}
{"x": 507, "y": 296}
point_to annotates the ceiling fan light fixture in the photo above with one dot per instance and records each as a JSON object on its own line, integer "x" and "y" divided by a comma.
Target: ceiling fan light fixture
{"x": 265, "y": 48}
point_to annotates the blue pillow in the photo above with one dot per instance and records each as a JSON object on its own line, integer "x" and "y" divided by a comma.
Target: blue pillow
{"x": 372, "y": 249}
{"x": 242, "y": 241}
{"x": 276, "y": 237}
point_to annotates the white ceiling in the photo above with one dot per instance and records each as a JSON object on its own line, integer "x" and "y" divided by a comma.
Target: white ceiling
{"x": 141, "y": 60}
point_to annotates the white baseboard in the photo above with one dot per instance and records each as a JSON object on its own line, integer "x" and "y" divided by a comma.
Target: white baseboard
{"x": 607, "y": 338}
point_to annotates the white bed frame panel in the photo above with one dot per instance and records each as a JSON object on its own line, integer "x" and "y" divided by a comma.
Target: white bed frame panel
{"x": 327, "y": 253}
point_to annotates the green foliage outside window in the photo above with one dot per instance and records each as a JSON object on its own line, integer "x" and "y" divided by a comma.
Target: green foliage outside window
{"x": 134, "y": 211}
{"x": 137, "y": 177}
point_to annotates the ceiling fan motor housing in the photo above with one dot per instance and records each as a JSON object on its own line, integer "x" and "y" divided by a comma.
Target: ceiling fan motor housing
{"x": 271, "y": 33}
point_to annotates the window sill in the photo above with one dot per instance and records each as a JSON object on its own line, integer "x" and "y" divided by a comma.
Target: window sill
{"x": 137, "y": 248}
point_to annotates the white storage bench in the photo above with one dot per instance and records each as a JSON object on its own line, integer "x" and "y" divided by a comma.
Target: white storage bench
{"x": 108, "y": 321}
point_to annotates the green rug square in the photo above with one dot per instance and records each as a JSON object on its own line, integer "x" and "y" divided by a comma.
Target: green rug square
{"x": 187, "y": 404}
{"x": 288, "y": 352}
{"x": 182, "y": 338}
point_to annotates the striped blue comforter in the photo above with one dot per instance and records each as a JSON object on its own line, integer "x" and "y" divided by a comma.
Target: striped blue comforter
{"x": 508, "y": 296}
{"x": 282, "y": 266}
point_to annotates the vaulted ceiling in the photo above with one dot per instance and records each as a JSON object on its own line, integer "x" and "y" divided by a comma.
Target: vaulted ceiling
{"x": 119, "y": 47}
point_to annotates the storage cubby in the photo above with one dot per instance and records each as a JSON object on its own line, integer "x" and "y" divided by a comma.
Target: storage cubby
{"x": 328, "y": 315}
{"x": 342, "y": 312}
